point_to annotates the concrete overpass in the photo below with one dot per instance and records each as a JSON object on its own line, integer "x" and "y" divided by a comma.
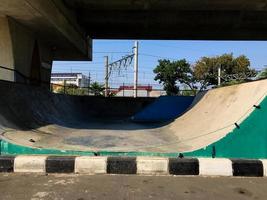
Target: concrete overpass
{"x": 33, "y": 33}
{"x": 173, "y": 19}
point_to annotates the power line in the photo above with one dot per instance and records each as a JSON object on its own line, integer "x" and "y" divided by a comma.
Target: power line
{"x": 156, "y": 56}
{"x": 112, "y": 52}
{"x": 82, "y": 63}
{"x": 176, "y": 47}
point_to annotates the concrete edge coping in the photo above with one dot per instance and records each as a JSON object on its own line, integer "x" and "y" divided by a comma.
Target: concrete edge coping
{"x": 152, "y": 165}
{"x": 215, "y": 167}
{"x": 144, "y": 165}
{"x": 90, "y": 165}
{"x": 264, "y": 163}
{"x": 30, "y": 164}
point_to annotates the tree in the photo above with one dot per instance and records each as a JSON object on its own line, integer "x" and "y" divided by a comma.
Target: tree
{"x": 97, "y": 89}
{"x": 71, "y": 89}
{"x": 205, "y": 72}
{"x": 170, "y": 73}
{"x": 237, "y": 69}
{"x": 262, "y": 74}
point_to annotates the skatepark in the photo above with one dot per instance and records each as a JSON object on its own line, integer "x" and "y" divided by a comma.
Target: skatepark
{"x": 224, "y": 122}
{"x": 181, "y": 114}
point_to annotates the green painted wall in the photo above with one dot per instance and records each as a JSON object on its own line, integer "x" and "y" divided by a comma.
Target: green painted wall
{"x": 249, "y": 141}
{"x": 8, "y": 148}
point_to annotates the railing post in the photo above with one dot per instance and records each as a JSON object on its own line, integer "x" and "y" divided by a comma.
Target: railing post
{"x": 123, "y": 89}
{"x": 64, "y": 86}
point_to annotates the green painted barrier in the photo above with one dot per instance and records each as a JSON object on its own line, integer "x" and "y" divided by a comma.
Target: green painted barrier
{"x": 247, "y": 141}
{"x": 134, "y": 154}
{"x": 8, "y": 148}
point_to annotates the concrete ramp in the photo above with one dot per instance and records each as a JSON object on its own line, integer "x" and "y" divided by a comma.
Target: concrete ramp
{"x": 215, "y": 115}
{"x": 221, "y": 124}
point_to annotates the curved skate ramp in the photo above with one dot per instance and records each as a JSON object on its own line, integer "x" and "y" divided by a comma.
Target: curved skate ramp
{"x": 222, "y": 123}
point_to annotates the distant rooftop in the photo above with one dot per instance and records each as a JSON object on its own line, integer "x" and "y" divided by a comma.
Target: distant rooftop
{"x": 139, "y": 87}
{"x": 65, "y": 74}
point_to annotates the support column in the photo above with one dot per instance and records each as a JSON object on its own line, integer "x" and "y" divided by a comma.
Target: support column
{"x": 23, "y": 55}
{"x": 6, "y": 53}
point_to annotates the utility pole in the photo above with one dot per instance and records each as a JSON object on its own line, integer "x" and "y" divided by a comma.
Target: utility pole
{"x": 136, "y": 69}
{"x": 219, "y": 75}
{"x": 106, "y": 76}
{"x": 89, "y": 82}
{"x": 64, "y": 86}
{"x": 89, "y": 79}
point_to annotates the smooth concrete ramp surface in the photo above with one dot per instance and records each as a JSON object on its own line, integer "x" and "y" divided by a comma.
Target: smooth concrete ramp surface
{"x": 37, "y": 119}
{"x": 215, "y": 115}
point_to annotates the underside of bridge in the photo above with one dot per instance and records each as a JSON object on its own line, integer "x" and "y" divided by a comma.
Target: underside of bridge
{"x": 172, "y": 19}
{"x": 33, "y": 33}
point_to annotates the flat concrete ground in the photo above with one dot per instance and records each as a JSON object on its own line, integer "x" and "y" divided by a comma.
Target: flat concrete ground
{"x": 83, "y": 187}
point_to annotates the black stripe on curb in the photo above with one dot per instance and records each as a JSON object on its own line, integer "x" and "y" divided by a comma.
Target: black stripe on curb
{"x": 63, "y": 164}
{"x": 121, "y": 165}
{"x": 181, "y": 166}
{"x": 7, "y": 164}
{"x": 252, "y": 168}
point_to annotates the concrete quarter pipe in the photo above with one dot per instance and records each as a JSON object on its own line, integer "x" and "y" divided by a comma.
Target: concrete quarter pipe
{"x": 225, "y": 122}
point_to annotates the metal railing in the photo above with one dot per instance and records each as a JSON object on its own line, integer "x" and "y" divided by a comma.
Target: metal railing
{"x": 122, "y": 91}
{"x": 115, "y": 91}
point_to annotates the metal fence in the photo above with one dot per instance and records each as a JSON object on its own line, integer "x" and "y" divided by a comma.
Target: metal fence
{"x": 122, "y": 91}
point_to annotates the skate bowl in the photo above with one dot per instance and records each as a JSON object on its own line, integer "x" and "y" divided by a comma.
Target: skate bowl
{"x": 228, "y": 122}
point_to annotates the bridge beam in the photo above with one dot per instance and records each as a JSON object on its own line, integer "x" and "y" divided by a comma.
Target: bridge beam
{"x": 33, "y": 33}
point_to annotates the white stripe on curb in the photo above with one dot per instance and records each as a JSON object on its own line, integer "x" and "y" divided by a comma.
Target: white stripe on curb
{"x": 30, "y": 164}
{"x": 91, "y": 165}
{"x": 215, "y": 167}
{"x": 264, "y": 163}
{"x": 146, "y": 165}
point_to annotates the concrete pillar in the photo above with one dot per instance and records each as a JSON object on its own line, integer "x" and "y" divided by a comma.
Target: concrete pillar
{"x": 6, "y": 53}
{"x": 21, "y": 50}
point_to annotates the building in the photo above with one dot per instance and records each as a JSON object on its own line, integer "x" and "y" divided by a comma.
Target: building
{"x": 142, "y": 91}
{"x": 77, "y": 79}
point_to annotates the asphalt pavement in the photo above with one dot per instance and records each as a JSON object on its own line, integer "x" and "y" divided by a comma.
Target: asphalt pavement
{"x": 121, "y": 187}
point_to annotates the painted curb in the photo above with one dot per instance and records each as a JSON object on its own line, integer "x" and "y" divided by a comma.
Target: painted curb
{"x": 30, "y": 164}
{"x": 134, "y": 165}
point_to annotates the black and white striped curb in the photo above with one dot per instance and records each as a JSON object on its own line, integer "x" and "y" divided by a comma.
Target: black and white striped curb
{"x": 134, "y": 165}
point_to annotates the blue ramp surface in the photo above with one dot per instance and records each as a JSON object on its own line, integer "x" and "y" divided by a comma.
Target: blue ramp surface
{"x": 164, "y": 108}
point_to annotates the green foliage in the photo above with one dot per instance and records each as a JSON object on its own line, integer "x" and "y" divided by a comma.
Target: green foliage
{"x": 233, "y": 82}
{"x": 111, "y": 94}
{"x": 204, "y": 73}
{"x": 187, "y": 91}
{"x": 238, "y": 69}
{"x": 72, "y": 90}
{"x": 170, "y": 73}
{"x": 97, "y": 89}
{"x": 262, "y": 74}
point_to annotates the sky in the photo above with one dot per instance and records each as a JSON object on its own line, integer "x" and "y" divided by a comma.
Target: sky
{"x": 151, "y": 51}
